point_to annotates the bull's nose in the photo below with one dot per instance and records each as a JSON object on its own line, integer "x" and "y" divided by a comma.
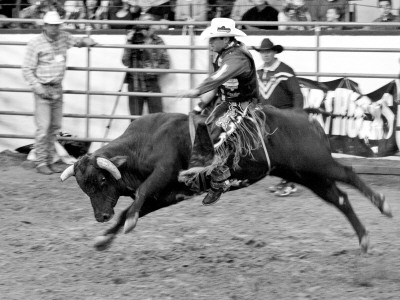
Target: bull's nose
{"x": 104, "y": 217}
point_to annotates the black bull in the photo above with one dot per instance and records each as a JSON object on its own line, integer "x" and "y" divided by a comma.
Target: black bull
{"x": 145, "y": 161}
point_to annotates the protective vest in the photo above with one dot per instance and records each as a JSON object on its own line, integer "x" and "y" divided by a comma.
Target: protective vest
{"x": 243, "y": 87}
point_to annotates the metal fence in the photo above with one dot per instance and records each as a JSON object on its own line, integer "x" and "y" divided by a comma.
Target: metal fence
{"x": 191, "y": 30}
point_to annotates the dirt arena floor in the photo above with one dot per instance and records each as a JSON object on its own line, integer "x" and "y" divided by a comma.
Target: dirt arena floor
{"x": 250, "y": 245}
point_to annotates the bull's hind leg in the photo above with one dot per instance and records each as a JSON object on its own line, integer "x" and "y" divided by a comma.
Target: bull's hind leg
{"x": 328, "y": 191}
{"x": 347, "y": 175}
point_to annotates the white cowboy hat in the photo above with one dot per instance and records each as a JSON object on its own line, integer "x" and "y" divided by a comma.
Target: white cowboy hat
{"x": 221, "y": 27}
{"x": 52, "y": 17}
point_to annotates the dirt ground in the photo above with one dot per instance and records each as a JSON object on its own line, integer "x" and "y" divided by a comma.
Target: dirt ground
{"x": 250, "y": 245}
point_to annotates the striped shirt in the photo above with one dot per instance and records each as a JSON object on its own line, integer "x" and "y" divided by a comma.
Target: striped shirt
{"x": 279, "y": 86}
{"x": 45, "y": 59}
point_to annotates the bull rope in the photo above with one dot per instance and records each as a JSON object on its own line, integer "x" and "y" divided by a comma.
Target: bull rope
{"x": 260, "y": 135}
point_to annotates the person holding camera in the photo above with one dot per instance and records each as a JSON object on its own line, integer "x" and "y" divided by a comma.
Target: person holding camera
{"x": 144, "y": 59}
{"x": 129, "y": 11}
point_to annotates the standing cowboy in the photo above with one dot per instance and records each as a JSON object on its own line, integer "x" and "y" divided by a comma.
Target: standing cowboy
{"x": 279, "y": 87}
{"x": 44, "y": 68}
{"x": 234, "y": 81}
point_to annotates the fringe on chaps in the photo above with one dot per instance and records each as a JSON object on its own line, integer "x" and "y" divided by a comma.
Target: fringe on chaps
{"x": 241, "y": 129}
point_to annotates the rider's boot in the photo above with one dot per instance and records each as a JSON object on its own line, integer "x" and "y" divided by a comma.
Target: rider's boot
{"x": 212, "y": 196}
{"x": 219, "y": 184}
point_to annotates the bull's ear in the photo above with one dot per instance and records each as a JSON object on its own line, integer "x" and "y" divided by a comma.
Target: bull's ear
{"x": 119, "y": 161}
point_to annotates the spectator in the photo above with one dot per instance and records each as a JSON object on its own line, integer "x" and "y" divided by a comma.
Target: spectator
{"x": 8, "y": 11}
{"x": 146, "y": 4}
{"x": 294, "y": 11}
{"x": 318, "y": 8}
{"x": 11, "y": 9}
{"x": 102, "y": 12}
{"x": 164, "y": 11}
{"x": 147, "y": 59}
{"x": 219, "y": 9}
{"x": 239, "y": 8}
{"x": 286, "y": 14}
{"x": 5, "y": 13}
{"x": 74, "y": 10}
{"x": 93, "y": 12}
{"x": 97, "y": 10}
{"x": 191, "y": 10}
{"x": 385, "y": 7}
{"x": 261, "y": 11}
{"x": 38, "y": 9}
{"x": 4, "y": 24}
{"x": 44, "y": 68}
{"x": 128, "y": 12}
{"x": 333, "y": 15}
{"x": 279, "y": 87}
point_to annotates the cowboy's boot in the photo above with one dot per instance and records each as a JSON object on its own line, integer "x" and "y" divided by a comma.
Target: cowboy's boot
{"x": 219, "y": 184}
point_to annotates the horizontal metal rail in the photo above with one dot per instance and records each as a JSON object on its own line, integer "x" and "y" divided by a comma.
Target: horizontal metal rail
{"x": 77, "y": 92}
{"x": 337, "y": 49}
{"x": 128, "y": 46}
{"x": 31, "y": 137}
{"x": 92, "y": 116}
{"x": 137, "y": 70}
{"x": 312, "y": 49}
{"x": 315, "y": 24}
{"x": 306, "y": 74}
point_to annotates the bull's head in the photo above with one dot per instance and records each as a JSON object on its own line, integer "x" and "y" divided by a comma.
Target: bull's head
{"x": 99, "y": 178}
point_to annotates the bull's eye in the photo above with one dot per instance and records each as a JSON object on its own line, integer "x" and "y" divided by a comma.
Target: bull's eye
{"x": 102, "y": 180}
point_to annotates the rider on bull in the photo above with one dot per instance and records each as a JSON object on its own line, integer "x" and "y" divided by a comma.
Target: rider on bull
{"x": 234, "y": 83}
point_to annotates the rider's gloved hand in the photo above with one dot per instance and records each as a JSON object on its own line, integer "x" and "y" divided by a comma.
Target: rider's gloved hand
{"x": 198, "y": 108}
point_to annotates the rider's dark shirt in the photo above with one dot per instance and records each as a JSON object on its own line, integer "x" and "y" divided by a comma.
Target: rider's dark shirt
{"x": 234, "y": 75}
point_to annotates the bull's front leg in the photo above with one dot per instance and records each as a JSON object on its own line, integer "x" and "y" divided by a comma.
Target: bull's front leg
{"x": 104, "y": 241}
{"x": 151, "y": 187}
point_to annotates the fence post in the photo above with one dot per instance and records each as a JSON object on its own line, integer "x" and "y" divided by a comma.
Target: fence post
{"x": 317, "y": 52}
{"x": 88, "y": 28}
{"x": 192, "y": 63}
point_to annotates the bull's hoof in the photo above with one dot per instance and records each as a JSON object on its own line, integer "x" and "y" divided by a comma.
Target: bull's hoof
{"x": 364, "y": 243}
{"x": 103, "y": 242}
{"x": 130, "y": 222}
{"x": 384, "y": 207}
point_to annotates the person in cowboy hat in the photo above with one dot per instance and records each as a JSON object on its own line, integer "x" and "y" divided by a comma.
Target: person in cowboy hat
{"x": 234, "y": 83}
{"x": 278, "y": 87}
{"x": 44, "y": 68}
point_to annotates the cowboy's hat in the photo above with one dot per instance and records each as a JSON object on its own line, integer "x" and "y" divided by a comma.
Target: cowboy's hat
{"x": 266, "y": 44}
{"x": 221, "y": 27}
{"x": 52, "y": 17}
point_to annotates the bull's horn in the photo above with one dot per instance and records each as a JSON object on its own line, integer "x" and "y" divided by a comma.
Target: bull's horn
{"x": 105, "y": 164}
{"x": 68, "y": 172}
